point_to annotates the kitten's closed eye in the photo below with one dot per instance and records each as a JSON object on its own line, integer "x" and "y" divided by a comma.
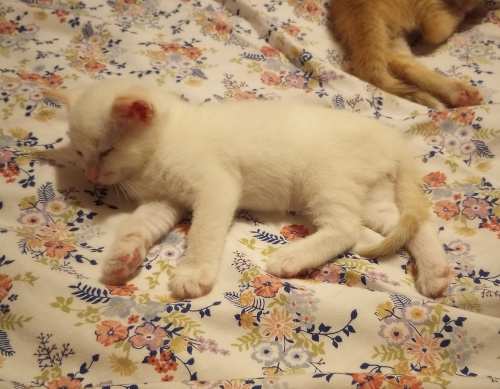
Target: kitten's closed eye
{"x": 101, "y": 155}
{"x": 105, "y": 153}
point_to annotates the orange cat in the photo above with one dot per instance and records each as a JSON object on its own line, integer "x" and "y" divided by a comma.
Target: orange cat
{"x": 375, "y": 34}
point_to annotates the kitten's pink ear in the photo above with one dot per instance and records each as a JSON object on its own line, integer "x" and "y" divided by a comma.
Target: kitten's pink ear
{"x": 60, "y": 95}
{"x": 134, "y": 108}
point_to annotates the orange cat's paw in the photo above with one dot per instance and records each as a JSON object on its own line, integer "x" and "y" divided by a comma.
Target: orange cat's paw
{"x": 466, "y": 95}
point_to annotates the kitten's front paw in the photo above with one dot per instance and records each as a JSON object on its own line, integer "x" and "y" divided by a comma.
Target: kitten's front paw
{"x": 191, "y": 281}
{"x": 283, "y": 264}
{"x": 125, "y": 257}
{"x": 436, "y": 285}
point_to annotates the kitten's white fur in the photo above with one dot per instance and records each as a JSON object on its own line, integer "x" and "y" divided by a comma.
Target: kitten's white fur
{"x": 342, "y": 169}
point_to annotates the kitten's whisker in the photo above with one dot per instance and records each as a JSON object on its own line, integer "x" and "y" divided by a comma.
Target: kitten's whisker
{"x": 129, "y": 190}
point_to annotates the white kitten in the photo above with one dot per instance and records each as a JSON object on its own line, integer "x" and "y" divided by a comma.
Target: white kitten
{"x": 339, "y": 168}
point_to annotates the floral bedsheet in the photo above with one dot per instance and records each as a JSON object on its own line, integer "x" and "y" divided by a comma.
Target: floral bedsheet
{"x": 351, "y": 323}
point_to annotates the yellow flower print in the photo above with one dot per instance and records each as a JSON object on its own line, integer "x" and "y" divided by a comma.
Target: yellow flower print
{"x": 247, "y": 299}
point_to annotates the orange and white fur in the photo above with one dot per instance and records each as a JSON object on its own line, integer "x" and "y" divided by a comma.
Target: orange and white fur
{"x": 375, "y": 33}
{"x": 341, "y": 169}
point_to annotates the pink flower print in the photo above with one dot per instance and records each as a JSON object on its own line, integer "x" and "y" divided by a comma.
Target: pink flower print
{"x": 295, "y": 81}
{"x": 148, "y": 336}
{"x": 5, "y": 155}
{"x": 396, "y": 332}
{"x": 329, "y": 272}
{"x": 458, "y": 248}
{"x": 475, "y": 207}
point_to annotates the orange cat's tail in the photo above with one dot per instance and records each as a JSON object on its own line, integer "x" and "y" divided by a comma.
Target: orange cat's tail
{"x": 414, "y": 211}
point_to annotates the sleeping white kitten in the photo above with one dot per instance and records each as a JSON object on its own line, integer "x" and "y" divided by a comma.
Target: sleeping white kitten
{"x": 341, "y": 169}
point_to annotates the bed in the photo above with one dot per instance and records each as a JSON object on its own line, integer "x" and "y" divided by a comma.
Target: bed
{"x": 352, "y": 323}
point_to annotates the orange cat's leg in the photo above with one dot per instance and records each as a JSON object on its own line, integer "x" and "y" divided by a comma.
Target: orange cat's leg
{"x": 449, "y": 91}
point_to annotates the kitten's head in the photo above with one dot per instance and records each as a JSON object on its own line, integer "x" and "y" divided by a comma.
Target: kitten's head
{"x": 109, "y": 128}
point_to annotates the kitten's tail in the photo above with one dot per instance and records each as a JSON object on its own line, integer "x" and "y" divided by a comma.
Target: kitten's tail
{"x": 414, "y": 211}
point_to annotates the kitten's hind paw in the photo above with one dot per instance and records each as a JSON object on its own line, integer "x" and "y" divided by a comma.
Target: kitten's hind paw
{"x": 190, "y": 282}
{"x": 281, "y": 264}
{"x": 435, "y": 286}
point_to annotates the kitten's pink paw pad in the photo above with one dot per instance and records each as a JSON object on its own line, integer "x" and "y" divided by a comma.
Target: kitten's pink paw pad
{"x": 121, "y": 266}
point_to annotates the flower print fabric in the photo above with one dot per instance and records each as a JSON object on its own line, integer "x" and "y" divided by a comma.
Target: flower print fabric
{"x": 350, "y": 323}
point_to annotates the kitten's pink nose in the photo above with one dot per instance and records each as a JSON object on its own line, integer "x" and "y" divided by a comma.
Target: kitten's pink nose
{"x": 92, "y": 175}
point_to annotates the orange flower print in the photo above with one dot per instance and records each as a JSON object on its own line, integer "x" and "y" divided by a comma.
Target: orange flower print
{"x": 294, "y": 233}
{"x": 446, "y": 209}
{"x": 184, "y": 226}
{"x": 245, "y": 96}
{"x": 191, "y": 52}
{"x": 171, "y": 47}
{"x": 435, "y": 179}
{"x": 65, "y": 383}
{"x": 10, "y": 172}
{"x": 30, "y": 76}
{"x": 278, "y": 325}
{"x": 493, "y": 225}
{"x": 55, "y": 231}
{"x": 438, "y": 115}
{"x": 133, "y": 319}
{"x": 164, "y": 364}
{"x": 314, "y": 9}
{"x": 5, "y": 285}
{"x": 270, "y": 78}
{"x": 369, "y": 380}
{"x": 122, "y": 290}
{"x": 110, "y": 332}
{"x": 463, "y": 115}
{"x": 223, "y": 28}
{"x": 59, "y": 250}
{"x": 7, "y": 27}
{"x": 95, "y": 67}
{"x": 53, "y": 81}
{"x": 266, "y": 285}
{"x": 406, "y": 382}
{"x": 292, "y": 30}
{"x": 475, "y": 208}
{"x": 270, "y": 51}
{"x": 424, "y": 349}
